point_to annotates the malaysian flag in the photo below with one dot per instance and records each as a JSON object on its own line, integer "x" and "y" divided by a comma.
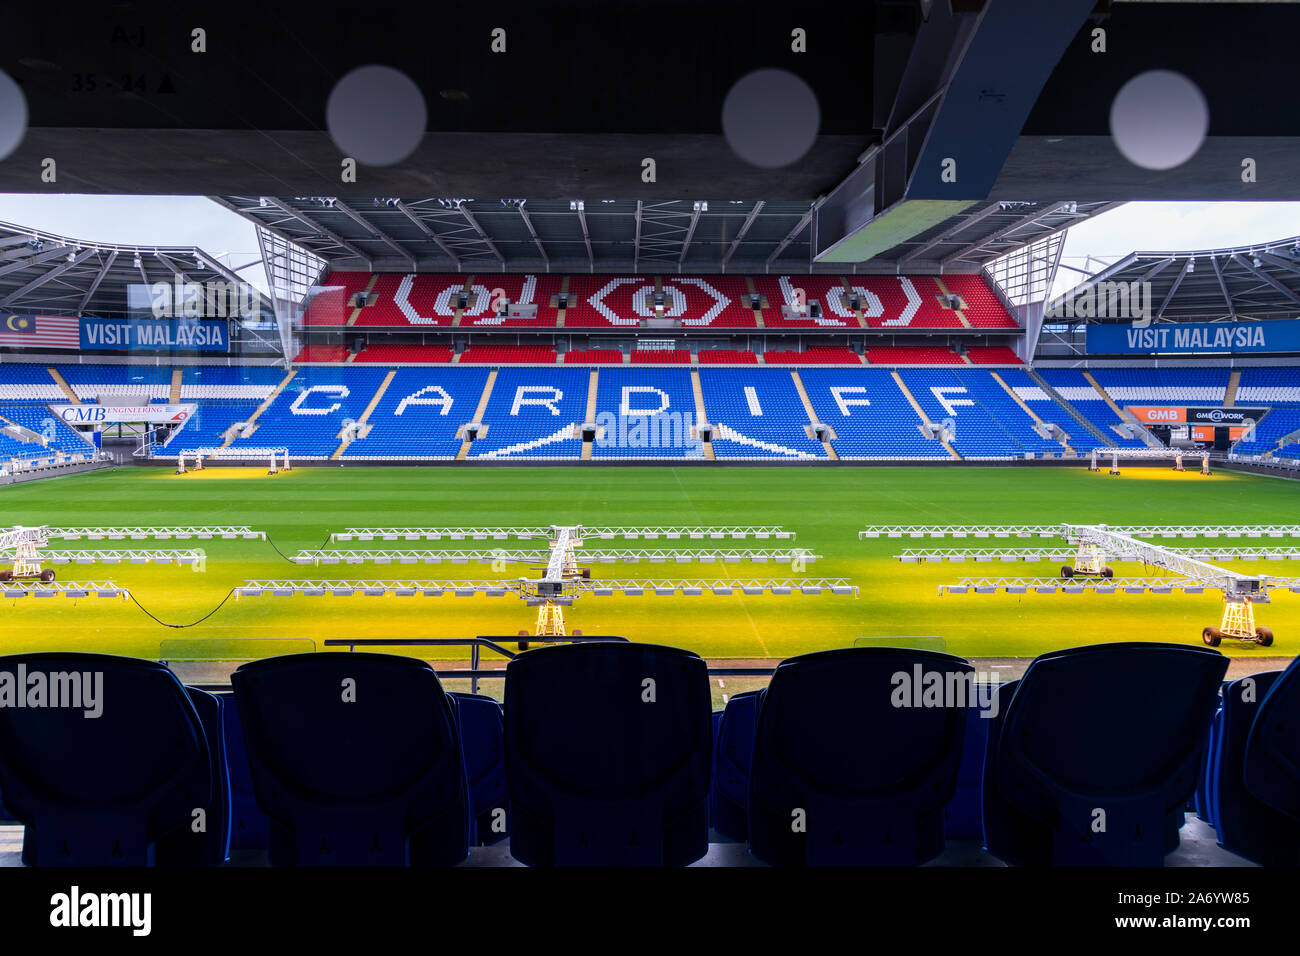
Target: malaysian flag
{"x": 40, "y": 331}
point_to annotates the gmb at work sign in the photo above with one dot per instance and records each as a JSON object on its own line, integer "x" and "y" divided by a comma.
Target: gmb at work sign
{"x": 181, "y": 335}
{"x": 1280, "y": 335}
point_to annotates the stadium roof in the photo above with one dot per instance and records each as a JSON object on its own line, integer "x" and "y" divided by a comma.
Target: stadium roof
{"x": 595, "y": 235}
{"x": 1247, "y": 282}
{"x": 42, "y": 272}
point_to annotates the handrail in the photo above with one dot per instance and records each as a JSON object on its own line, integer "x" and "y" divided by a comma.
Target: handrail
{"x": 474, "y": 643}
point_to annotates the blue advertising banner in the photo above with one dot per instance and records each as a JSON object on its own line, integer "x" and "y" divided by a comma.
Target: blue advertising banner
{"x": 1281, "y": 335}
{"x": 193, "y": 335}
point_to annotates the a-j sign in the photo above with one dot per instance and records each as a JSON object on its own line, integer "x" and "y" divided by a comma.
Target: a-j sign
{"x": 1281, "y": 335}
{"x": 113, "y": 414}
{"x": 196, "y": 335}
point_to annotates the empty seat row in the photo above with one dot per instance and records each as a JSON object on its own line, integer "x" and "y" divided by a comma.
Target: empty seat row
{"x": 607, "y": 754}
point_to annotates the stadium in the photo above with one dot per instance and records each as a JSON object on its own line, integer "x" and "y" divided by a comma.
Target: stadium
{"x": 811, "y": 419}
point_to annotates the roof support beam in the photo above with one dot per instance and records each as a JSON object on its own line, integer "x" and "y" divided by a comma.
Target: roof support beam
{"x": 103, "y": 271}
{"x": 636, "y": 242}
{"x": 429, "y": 233}
{"x": 327, "y": 233}
{"x": 1223, "y": 286}
{"x": 379, "y": 234}
{"x": 1043, "y": 209}
{"x": 586, "y": 236}
{"x": 793, "y": 234}
{"x": 40, "y": 257}
{"x": 469, "y": 217}
{"x": 947, "y": 234}
{"x": 744, "y": 228}
{"x": 1265, "y": 278}
{"x": 528, "y": 222}
{"x": 690, "y": 231}
{"x": 1187, "y": 267}
{"x": 46, "y": 276}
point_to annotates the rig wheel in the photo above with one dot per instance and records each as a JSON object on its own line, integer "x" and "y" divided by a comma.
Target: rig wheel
{"x": 6, "y": 575}
{"x": 523, "y": 645}
{"x": 1264, "y": 636}
{"x": 1067, "y": 571}
{"x": 47, "y": 575}
{"x": 1107, "y": 572}
{"x": 1212, "y": 636}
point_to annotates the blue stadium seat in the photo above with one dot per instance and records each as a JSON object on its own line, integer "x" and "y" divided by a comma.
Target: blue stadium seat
{"x": 866, "y": 775}
{"x": 607, "y": 755}
{"x": 1246, "y": 825}
{"x": 482, "y": 735}
{"x": 1272, "y": 765}
{"x": 249, "y": 825}
{"x": 1108, "y": 736}
{"x": 102, "y": 790}
{"x": 357, "y": 756}
{"x": 962, "y": 814}
{"x": 204, "y": 841}
{"x": 732, "y": 758}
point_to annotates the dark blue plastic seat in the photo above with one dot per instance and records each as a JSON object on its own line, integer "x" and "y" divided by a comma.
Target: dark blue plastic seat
{"x": 1093, "y": 758}
{"x": 249, "y": 826}
{"x": 850, "y": 770}
{"x": 355, "y": 758}
{"x": 1246, "y": 825}
{"x": 102, "y": 790}
{"x": 962, "y": 819}
{"x": 1272, "y": 766}
{"x": 607, "y": 755}
{"x": 735, "y": 751}
{"x": 482, "y": 734}
{"x": 205, "y": 839}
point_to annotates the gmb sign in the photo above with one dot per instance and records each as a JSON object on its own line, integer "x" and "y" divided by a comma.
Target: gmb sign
{"x": 113, "y": 414}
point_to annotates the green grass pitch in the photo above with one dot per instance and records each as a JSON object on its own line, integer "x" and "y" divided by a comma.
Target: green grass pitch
{"x": 825, "y": 506}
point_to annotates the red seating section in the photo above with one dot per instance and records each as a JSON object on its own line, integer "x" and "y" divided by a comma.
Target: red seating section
{"x": 661, "y": 357}
{"x": 618, "y": 295}
{"x": 405, "y": 354}
{"x": 322, "y": 353}
{"x": 726, "y": 357}
{"x": 818, "y": 355}
{"x": 897, "y": 301}
{"x": 508, "y": 355}
{"x": 984, "y": 309}
{"x": 329, "y": 306}
{"x": 698, "y": 292}
{"x": 422, "y": 292}
{"x": 594, "y": 357}
{"x": 912, "y": 355}
{"x": 992, "y": 355}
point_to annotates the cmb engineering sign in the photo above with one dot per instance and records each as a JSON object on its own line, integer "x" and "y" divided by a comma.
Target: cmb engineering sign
{"x": 116, "y": 414}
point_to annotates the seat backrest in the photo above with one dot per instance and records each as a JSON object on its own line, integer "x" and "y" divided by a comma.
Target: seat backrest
{"x": 1246, "y": 825}
{"x": 962, "y": 814}
{"x": 607, "y": 755}
{"x": 733, "y": 755}
{"x": 355, "y": 753}
{"x": 482, "y": 735}
{"x": 205, "y": 839}
{"x": 249, "y": 824}
{"x": 100, "y": 756}
{"x": 854, "y": 759}
{"x": 1070, "y": 752}
{"x": 1273, "y": 750}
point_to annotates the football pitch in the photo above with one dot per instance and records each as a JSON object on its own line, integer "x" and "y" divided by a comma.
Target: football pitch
{"x": 825, "y": 506}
